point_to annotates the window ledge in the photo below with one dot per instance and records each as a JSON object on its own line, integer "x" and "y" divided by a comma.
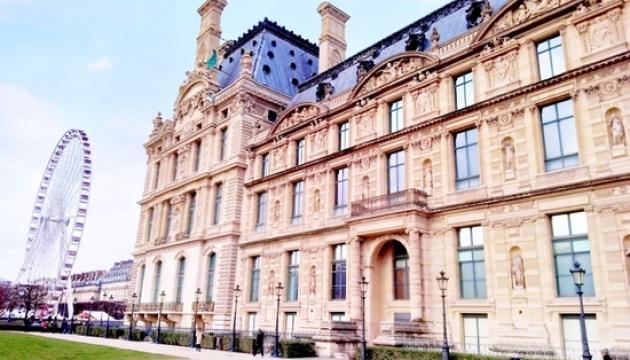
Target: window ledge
{"x": 567, "y": 175}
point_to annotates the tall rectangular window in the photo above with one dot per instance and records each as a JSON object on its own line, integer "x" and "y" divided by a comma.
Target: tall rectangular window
{"x": 197, "y": 154}
{"x": 344, "y": 135}
{"x": 570, "y": 244}
{"x": 472, "y": 272}
{"x": 559, "y": 135}
{"x": 156, "y": 281}
{"x": 300, "y": 151}
{"x": 298, "y": 202}
{"x": 212, "y": 264}
{"x": 550, "y": 57}
{"x": 476, "y": 333}
{"x": 264, "y": 171}
{"x": 174, "y": 164}
{"x": 464, "y": 90}
{"x": 466, "y": 159}
{"x": 169, "y": 216}
{"x": 339, "y": 272}
{"x": 293, "y": 276}
{"x": 150, "y": 214}
{"x": 396, "y": 171}
{"x": 401, "y": 272}
{"x": 223, "y": 146}
{"x": 341, "y": 191}
{"x": 254, "y": 278}
{"x": 261, "y": 212}
{"x": 192, "y": 207}
{"x": 156, "y": 179}
{"x": 251, "y": 322}
{"x": 181, "y": 268}
{"x": 218, "y": 197}
{"x": 573, "y": 338}
{"x": 290, "y": 321}
{"x": 396, "y": 116}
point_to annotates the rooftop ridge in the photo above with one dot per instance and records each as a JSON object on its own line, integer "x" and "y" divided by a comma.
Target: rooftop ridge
{"x": 279, "y": 30}
{"x": 423, "y": 22}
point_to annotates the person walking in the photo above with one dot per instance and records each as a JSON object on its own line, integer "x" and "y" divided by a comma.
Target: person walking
{"x": 199, "y": 339}
{"x": 259, "y": 343}
{"x": 606, "y": 355}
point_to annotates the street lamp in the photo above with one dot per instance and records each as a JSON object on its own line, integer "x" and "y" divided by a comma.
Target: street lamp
{"x": 276, "y": 348}
{"x": 194, "y": 321}
{"x": 237, "y": 291}
{"x": 364, "y": 287}
{"x": 578, "y": 279}
{"x": 109, "y": 310}
{"x": 162, "y": 295}
{"x": 87, "y": 330}
{"x": 442, "y": 283}
{"x": 133, "y": 307}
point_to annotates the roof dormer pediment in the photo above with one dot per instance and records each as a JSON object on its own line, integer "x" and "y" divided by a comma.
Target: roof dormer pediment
{"x": 391, "y": 70}
{"x": 298, "y": 114}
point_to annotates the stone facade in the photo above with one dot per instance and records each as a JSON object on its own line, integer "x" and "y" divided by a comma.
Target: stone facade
{"x": 447, "y": 155}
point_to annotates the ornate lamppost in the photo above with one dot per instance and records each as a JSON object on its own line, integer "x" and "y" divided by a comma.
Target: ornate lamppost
{"x": 74, "y": 305}
{"x": 159, "y": 330}
{"x": 237, "y": 291}
{"x": 87, "y": 329}
{"x": 276, "y": 348}
{"x": 194, "y": 320}
{"x": 364, "y": 287}
{"x": 109, "y": 310}
{"x": 578, "y": 279}
{"x": 442, "y": 283}
{"x": 133, "y": 307}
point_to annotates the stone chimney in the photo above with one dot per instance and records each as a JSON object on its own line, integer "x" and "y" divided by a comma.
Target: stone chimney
{"x": 332, "y": 41}
{"x": 210, "y": 31}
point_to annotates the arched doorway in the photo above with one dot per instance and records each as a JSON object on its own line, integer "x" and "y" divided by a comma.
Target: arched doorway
{"x": 390, "y": 298}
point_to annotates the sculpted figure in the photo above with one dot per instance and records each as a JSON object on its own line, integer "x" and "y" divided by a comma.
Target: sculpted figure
{"x": 508, "y": 155}
{"x": 518, "y": 271}
{"x": 617, "y": 132}
{"x": 312, "y": 282}
{"x": 428, "y": 179}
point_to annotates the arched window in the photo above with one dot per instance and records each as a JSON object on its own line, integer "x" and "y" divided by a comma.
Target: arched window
{"x": 156, "y": 281}
{"x": 141, "y": 282}
{"x": 212, "y": 262}
{"x": 180, "y": 279}
{"x": 401, "y": 272}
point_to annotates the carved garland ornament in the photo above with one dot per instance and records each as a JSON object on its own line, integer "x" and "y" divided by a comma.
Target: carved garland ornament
{"x": 506, "y": 119}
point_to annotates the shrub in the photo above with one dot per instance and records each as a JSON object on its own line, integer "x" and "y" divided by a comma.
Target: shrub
{"x": 297, "y": 349}
{"x": 393, "y": 353}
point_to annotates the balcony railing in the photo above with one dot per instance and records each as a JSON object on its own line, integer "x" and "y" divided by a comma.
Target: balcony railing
{"x": 391, "y": 201}
{"x": 203, "y": 307}
{"x": 155, "y": 307}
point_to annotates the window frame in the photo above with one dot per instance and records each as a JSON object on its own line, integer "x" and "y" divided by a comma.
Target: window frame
{"x": 568, "y": 160}
{"x": 181, "y": 273}
{"x": 342, "y": 190}
{"x": 478, "y": 280}
{"x": 293, "y": 276}
{"x": 192, "y": 210}
{"x": 396, "y": 111}
{"x": 397, "y": 255}
{"x": 468, "y": 182}
{"x": 218, "y": 200}
{"x": 464, "y": 85}
{"x": 300, "y": 151}
{"x": 261, "y": 210}
{"x": 223, "y": 143}
{"x": 264, "y": 164}
{"x": 339, "y": 272}
{"x": 297, "y": 202}
{"x": 212, "y": 264}
{"x": 400, "y": 174}
{"x": 254, "y": 279}
{"x": 548, "y": 53}
{"x": 344, "y": 135}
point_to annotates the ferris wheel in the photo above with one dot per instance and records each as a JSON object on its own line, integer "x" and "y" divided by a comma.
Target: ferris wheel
{"x": 58, "y": 217}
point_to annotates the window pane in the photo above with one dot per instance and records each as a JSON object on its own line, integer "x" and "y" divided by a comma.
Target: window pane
{"x": 565, "y": 109}
{"x": 551, "y": 139}
{"x": 473, "y": 161}
{"x": 468, "y": 289}
{"x": 465, "y": 256}
{"x": 558, "y": 60}
{"x": 470, "y": 93}
{"x": 544, "y": 65}
{"x": 560, "y": 225}
{"x": 548, "y": 113}
{"x": 477, "y": 235}
{"x": 561, "y": 247}
{"x": 480, "y": 272}
{"x": 569, "y": 138}
{"x": 478, "y": 255}
{"x": 466, "y": 269}
{"x": 471, "y": 136}
{"x": 461, "y": 163}
{"x": 465, "y": 237}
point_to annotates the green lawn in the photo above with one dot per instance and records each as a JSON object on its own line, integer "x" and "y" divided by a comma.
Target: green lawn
{"x": 17, "y": 346}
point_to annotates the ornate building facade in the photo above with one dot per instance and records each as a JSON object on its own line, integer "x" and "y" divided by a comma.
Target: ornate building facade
{"x": 487, "y": 139}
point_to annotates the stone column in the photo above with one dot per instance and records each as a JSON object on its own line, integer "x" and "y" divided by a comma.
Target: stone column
{"x": 415, "y": 274}
{"x": 354, "y": 276}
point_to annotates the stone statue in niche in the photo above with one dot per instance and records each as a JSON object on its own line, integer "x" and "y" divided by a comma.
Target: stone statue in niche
{"x": 428, "y": 178}
{"x": 365, "y": 188}
{"x": 518, "y": 271}
{"x": 271, "y": 284}
{"x": 176, "y": 219}
{"x": 508, "y": 155}
{"x": 317, "y": 201}
{"x": 617, "y": 132}
{"x": 276, "y": 211}
{"x": 312, "y": 281}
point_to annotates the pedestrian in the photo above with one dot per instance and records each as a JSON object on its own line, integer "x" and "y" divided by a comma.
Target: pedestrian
{"x": 606, "y": 355}
{"x": 259, "y": 343}
{"x": 64, "y": 326}
{"x": 199, "y": 338}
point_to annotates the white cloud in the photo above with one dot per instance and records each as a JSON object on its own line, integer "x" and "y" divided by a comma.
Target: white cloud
{"x": 100, "y": 65}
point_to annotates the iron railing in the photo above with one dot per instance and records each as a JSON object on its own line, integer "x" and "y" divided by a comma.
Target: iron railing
{"x": 391, "y": 201}
{"x": 202, "y": 307}
{"x": 155, "y": 307}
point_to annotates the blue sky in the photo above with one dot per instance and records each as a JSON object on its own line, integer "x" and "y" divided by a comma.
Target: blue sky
{"x": 107, "y": 67}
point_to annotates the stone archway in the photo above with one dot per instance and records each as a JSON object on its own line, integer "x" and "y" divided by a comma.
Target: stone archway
{"x": 390, "y": 295}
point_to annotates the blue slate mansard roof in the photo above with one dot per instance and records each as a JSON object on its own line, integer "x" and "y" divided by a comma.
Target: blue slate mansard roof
{"x": 281, "y": 59}
{"x": 449, "y": 20}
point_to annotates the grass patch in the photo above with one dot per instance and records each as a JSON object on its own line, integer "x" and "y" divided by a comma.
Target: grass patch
{"x": 16, "y": 346}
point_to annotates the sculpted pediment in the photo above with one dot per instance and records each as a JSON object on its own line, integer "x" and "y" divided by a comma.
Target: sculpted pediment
{"x": 392, "y": 69}
{"x": 515, "y": 13}
{"x": 298, "y": 114}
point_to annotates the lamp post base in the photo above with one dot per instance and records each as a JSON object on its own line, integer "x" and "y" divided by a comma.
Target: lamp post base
{"x": 445, "y": 352}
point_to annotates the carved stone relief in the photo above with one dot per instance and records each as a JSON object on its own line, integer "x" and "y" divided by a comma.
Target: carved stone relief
{"x": 517, "y": 268}
{"x": 427, "y": 142}
{"x": 427, "y": 176}
{"x": 279, "y": 156}
{"x": 365, "y": 187}
{"x": 506, "y": 119}
{"x": 425, "y": 99}
{"x": 312, "y": 281}
{"x": 502, "y": 70}
{"x": 601, "y": 32}
{"x": 318, "y": 140}
{"x": 616, "y": 130}
{"x": 298, "y": 115}
{"x": 393, "y": 70}
{"x": 509, "y": 158}
{"x": 365, "y": 122}
{"x": 527, "y": 9}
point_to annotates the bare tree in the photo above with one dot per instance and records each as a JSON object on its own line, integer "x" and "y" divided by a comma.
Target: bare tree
{"x": 5, "y": 295}
{"x": 28, "y": 297}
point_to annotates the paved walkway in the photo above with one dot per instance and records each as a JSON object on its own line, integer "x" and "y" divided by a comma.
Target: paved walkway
{"x": 169, "y": 350}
